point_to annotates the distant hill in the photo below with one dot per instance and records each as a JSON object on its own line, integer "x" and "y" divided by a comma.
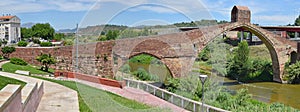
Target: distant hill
{"x": 66, "y": 31}
{"x": 161, "y": 29}
{"x": 28, "y": 25}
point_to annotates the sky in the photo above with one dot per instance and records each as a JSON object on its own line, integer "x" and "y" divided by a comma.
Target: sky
{"x": 65, "y": 14}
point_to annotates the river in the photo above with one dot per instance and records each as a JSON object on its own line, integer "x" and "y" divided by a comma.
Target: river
{"x": 269, "y": 92}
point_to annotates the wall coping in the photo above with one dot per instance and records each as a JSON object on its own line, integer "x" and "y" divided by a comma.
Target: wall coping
{"x": 7, "y": 94}
{"x": 10, "y": 91}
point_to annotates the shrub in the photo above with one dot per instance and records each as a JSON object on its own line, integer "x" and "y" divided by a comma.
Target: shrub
{"x": 36, "y": 41}
{"x": 125, "y": 68}
{"x": 22, "y": 44}
{"x": 46, "y": 44}
{"x": 142, "y": 74}
{"x": 293, "y": 72}
{"x": 6, "y": 51}
{"x": 172, "y": 84}
{"x": 18, "y": 61}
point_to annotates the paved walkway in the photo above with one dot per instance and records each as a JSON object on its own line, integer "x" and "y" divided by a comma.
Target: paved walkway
{"x": 135, "y": 94}
{"x": 56, "y": 98}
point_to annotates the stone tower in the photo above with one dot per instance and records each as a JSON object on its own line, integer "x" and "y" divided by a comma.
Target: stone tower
{"x": 240, "y": 14}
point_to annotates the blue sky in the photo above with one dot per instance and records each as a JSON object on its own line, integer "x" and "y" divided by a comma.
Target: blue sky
{"x": 64, "y": 14}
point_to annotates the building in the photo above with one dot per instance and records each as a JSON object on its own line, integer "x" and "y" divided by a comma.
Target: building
{"x": 10, "y": 29}
{"x": 240, "y": 14}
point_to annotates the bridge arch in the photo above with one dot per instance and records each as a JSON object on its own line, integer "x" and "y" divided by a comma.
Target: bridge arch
{"x": 276, "y": 48}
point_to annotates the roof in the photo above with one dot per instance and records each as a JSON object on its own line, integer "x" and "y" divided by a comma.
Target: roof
{"x": 242, "y": 7}
{"x": 6, "y": 17}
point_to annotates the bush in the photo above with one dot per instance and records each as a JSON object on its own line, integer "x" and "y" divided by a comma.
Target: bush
{"x": 142, "y": 74}
{"x": 22, "y": 44}
{"x": 293, "y": 73}
{"x": 172, "y": 84}
{"x": 36, "y": 41}
{"x": 6, "y": 51}
{"x": 18, "y": 61}
{"x": 125, "y": 68}
{"x": 46, "y": 44}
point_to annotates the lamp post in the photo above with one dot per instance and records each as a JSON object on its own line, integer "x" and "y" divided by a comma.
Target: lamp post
{"x": 202, "y": 78}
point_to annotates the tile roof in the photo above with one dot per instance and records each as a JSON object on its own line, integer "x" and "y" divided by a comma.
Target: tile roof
{"x": 6, "y": 17}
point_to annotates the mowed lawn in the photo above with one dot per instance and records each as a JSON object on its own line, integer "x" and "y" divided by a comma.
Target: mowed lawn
{"x": 12, "y": 68}
{"x": 6, "y": 80}
{"x": 90, "y": 98}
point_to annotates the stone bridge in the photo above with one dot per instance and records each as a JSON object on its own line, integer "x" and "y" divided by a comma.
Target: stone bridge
{"x": 177, "y": 50}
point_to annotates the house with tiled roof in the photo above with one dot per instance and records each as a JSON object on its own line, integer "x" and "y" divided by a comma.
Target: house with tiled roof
{"x": 10, "y": 28}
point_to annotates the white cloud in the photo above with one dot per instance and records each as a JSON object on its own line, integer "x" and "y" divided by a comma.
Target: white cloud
{"x": 157, "y": 9}
{"x": 273, "y": 19}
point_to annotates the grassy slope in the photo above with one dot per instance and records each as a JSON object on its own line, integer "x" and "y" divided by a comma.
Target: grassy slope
{"x": 98, "y": 100}
{"x": 6, "y": 80}
{"x": 9, "y": 67}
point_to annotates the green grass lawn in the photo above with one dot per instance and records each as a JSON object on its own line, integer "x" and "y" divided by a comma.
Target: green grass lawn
{"x": 93, "y": 99}
{"x": 9, "y": 67}
{"x": 6, "y": 80}
{"x": 90, "y": 98}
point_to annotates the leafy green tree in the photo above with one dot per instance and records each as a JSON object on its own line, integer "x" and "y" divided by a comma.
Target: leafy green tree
{"x": 26, "y": 33}
{"x": 297, "y": 21}
{"x": 112, "y": 34}
{"x": 46, "y": 60}
{"x": 22, "y": 44}
{"x": 6, "y": 51}
{"x": 58, "y": 36}
{"x": 239, "y": 66}
{"x": 44, "y": 31}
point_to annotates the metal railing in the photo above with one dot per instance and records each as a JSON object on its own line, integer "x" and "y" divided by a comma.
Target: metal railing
{"x": 175, "y": 99}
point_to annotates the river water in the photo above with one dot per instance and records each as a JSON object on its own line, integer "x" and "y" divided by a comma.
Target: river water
{"x": 269, "y": 92}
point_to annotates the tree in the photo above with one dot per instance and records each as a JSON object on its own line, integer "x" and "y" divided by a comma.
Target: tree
{"x": 239, "y": 66}
{"x": 112, "y": 35}
{"x": 44, "y": 31}
{"x": 6, "y": 51}
{"x": 58, "y": 36}
{"x": 297, "y": 21}
{"x": 46, "y": 60}
{"x": 26, "y": 33}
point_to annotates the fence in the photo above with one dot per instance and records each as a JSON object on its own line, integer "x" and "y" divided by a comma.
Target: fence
{"x": 175, "y": 99}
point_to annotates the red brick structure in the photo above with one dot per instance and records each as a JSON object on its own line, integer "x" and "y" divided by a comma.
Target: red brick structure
{"x": 240, "y": 14}
{"x": 177, "y": 50}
